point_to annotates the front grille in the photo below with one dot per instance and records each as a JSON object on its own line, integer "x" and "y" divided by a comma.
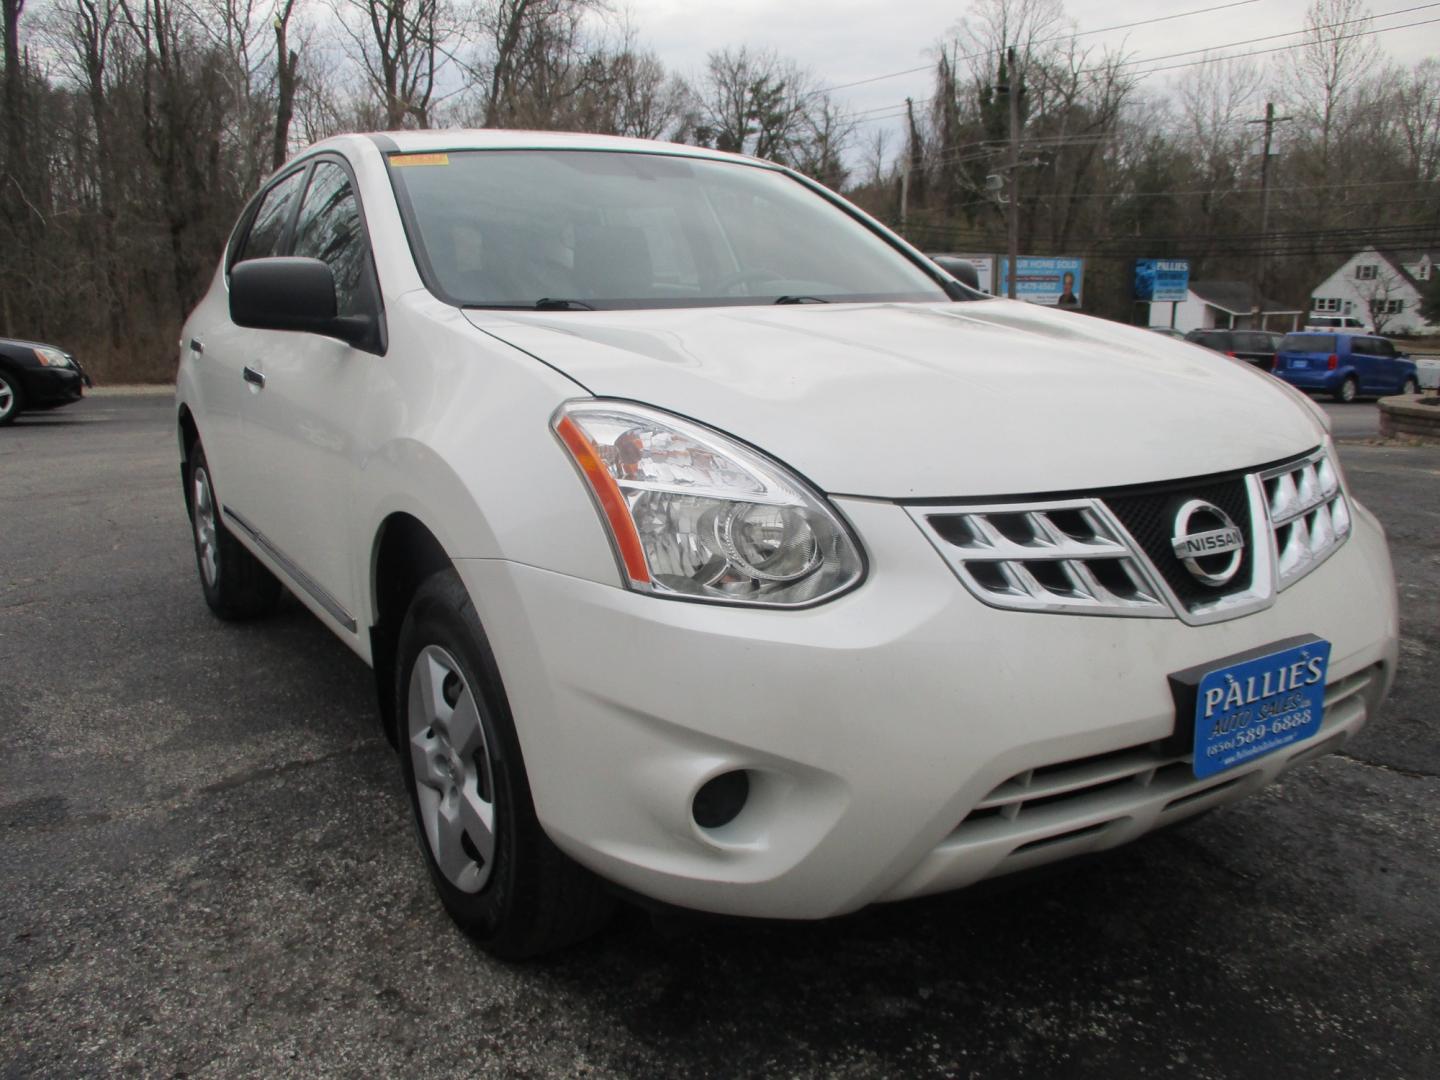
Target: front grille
{"x": 1308, "y": 515}
{"x": 1150, "y": 517}
{"x": 1113, "y": 552}
{"x": 1060, "y": 556}
{"x": 1064, "y": 801}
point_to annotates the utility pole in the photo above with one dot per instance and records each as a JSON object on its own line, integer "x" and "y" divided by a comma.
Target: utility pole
{"x": 905, "y": 170}
{"x": 1012, "y": 94}
{"x": 1262, "y": 269}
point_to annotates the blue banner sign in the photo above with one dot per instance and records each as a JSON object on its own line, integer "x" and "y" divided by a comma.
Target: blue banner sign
{"x": 1054, "y": 281}
{"x": 1162, "y": 281}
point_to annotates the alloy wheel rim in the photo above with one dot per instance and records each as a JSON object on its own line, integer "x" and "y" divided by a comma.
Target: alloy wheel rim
{"x": 454, "y": 780}
{"x": 206, "y": 541}
{"x": 7, "y": 399}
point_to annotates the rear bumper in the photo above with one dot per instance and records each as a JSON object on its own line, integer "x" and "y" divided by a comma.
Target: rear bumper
{"x": 1323, "y": 380}
{"x": 874, "y": 726}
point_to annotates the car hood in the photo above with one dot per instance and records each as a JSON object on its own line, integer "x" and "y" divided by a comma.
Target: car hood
{"x": 900, "y": 401}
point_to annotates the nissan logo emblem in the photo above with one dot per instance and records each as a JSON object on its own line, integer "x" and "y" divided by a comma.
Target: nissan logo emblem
{"x": 1208, "y": 543}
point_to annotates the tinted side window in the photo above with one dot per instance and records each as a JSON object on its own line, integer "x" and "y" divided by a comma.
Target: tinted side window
{"x": 330, "y": 229}
{"x": 1384, "y": 347}
{"x": 1364, "y": 346}
{"x": 1308, "y": 343}
{"x": 267, "y": 228}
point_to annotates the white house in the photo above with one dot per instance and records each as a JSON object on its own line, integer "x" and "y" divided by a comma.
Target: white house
{"x": 1226, "y": 305}
{"x": 1381, "y": 287}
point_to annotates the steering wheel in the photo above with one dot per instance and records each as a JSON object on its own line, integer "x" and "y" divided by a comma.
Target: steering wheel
{"x": 754, "y": 276}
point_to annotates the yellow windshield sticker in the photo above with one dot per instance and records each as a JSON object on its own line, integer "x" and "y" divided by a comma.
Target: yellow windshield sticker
{"x": 419, "y": 159}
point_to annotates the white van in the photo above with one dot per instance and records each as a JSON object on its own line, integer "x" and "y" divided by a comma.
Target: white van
{"x": 1339, "y": 324}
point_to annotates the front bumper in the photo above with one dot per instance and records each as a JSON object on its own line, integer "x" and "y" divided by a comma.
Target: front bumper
{"x": 50, "y": 387}
{"x": 875, "y": 726}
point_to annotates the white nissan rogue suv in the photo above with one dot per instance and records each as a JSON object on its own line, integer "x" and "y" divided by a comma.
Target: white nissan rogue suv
{"x": 709, "y": 541}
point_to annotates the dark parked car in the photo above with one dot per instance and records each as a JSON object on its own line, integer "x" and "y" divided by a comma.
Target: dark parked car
{"x": 1255, "y": 347}
{"x": 36, "y": 376}
{"x": 1345, "y": 365}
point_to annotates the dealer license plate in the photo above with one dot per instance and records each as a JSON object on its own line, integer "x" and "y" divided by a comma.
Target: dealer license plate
{"x": 1255, "y": 703}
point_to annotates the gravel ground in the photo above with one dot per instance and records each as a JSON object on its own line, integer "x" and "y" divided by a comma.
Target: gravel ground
{"x": 208, "y": 868}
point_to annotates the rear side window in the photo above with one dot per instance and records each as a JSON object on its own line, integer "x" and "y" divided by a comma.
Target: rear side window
{"x": 330, "y": 229}
{"x": 267, "y": 228}
{"x": 1308, "y": 343}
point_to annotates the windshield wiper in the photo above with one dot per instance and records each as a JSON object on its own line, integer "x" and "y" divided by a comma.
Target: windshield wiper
{"x": 552, "y": 303}
{"x": 801, "y": 300}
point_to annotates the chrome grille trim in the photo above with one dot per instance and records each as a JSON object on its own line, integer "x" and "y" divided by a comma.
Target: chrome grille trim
{"x": 1075, "y": 556}
{"x": 988, "y": 546}
{"x": 1308, "y": 512}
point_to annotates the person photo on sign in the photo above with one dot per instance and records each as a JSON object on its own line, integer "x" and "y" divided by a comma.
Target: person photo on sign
{"x": 1068, "y": 299}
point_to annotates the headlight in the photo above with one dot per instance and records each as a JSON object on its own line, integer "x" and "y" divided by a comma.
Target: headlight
{"x": 696, "y": 515}
{"x": 49, "y": 357}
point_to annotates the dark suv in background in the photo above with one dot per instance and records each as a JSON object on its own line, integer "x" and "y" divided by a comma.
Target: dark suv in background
{"x": 1255, "y": 347}
{"x": 1347, "y": 366}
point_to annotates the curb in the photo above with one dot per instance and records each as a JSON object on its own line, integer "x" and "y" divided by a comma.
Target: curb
{"x": 132, "y": 390}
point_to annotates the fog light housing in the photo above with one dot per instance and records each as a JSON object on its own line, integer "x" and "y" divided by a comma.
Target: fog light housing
{"x": 720, "y": 799}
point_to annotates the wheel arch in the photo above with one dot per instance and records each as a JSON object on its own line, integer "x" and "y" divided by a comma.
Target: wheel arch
{"x": 404, "y": 553}
{"x": 188, "y": 434}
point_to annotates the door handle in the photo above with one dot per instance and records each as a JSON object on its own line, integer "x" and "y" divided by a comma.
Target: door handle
{"x": 196, "y": 346}
{"x": 253, "y": 376}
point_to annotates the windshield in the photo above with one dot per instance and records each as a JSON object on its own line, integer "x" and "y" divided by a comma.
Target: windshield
{"x": 1308, "y": 343}
{"x": 513, "y": 228}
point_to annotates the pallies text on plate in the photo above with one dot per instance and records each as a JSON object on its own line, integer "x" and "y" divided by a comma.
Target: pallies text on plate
{"x": 1303, "y": 672}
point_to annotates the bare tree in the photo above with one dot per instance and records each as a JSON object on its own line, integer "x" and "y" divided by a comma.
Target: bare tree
{"x": 287, "y": 74}
{"x": 1416, "y": 105}
{"x": 753, "y": 102}
{"x": 401, "y": 45}
{"x": 1324, "y": 73}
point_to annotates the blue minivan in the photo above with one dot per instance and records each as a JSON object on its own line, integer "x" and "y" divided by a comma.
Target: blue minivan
{"x": 1345, "y": 365}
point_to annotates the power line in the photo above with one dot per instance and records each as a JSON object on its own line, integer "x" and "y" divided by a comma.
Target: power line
{"x": 1276, "y": 37}
{"x": 1042, "y": 41}
{"x": 862, "y": 117}
{"x": 1283, "y": 48}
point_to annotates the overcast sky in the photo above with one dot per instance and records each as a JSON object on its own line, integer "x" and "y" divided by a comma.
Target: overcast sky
{"x": 842, "y": 41}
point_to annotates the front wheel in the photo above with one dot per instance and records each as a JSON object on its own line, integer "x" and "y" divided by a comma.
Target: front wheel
{"x": 11, "y": 399}
{"x": 1410, "y": 386}
{"x": 501, "y": 879}
{"x": 1349, "y": 390}
{"x": 235, "y": 583}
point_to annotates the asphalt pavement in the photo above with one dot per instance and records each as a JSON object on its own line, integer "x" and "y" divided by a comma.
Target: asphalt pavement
{"x": 208, "y": 868}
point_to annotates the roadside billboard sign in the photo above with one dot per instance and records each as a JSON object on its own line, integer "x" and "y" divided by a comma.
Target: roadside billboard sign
{"x": 1162, "y": 281}
{"x": 1056, "y": 281}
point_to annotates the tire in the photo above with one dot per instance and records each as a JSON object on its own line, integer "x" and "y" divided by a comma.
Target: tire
{"x": 1349, "y": 390}
{"x": 12, "y": 399}
{"x": 502, "y": 880}
{"x": 1410, "y": 386}
{"x": 236, "y": 584}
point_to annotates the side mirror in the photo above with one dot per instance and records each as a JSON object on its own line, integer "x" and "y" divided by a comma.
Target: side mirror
{"x": 962, "y": 270}
{"x": 292, "y": 294}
